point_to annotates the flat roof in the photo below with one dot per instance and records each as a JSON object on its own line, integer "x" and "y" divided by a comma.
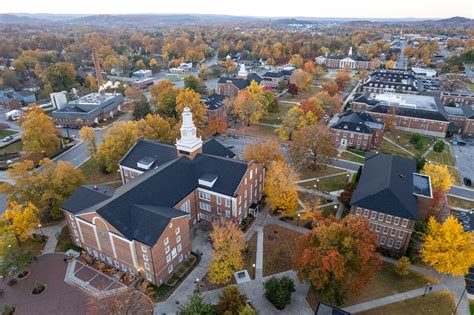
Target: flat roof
{"x": 423, "y": 102}
{"x": 422, "y": 185}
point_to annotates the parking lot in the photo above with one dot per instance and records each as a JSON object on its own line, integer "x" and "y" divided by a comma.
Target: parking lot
{"x": 464, "y": 156}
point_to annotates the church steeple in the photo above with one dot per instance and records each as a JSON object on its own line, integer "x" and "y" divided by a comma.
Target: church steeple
{"x": 189, "y": 144}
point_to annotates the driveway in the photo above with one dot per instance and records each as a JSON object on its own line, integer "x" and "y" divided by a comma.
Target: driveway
{"x": 464, "y": 156}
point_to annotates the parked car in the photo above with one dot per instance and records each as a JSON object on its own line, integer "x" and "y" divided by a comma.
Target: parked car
{"x": 6, "y": 139}
{"x": 467, "y": 181}
{"x": 461, "y": 143}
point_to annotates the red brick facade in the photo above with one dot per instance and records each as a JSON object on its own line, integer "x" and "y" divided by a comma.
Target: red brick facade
{"x": 361, "y": 141}
{"x": 227, "y": 89}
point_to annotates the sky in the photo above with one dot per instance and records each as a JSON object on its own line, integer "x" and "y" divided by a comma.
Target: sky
{"x": 273, "y": 8}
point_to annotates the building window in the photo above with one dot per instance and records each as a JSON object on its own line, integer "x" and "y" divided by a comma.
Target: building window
{"x": 389, "y": 219}
{"x": 240, "y": 210}
{"x": 116, "y": 264}
{"x": 124, "y": 267}
{"x": 381, "y": 216}
{"x": 227, "y": 214}
{"x": 227, "y": 202}
{"x": 390, "y": 243}
{"x": 144, "y": 249}
{"x": 205, "y": 206}
{"x": 181, "y": 257}
{"x": 174, "y": 252}
{"x": 398, "y": 244}
{"x": 396, "y": 221}
{"x": 147, "y": 266}
{"x": 218, "y": 200}
{"x": 178, "y": 238}
{"x": 382, "y": 240}
{"x": 393, "y": 232}
{"x": 168, "y": 258}
{"x": 166, "y": 241}
{"x": 170, "y": 268}
{"x": 251, "y": 174}
{"x": 179, "y": 247}
{"x": 240, "y": 200}
{"x": 373, "y": 215}
{"x": 145, "y": 257}
{"x": 377, "y": 228}
{"x": 385, "y": 230}
{"x": 177, "y": 230}
{"x": 186, "y": 207}
{"x": 204, "y": 196}
{"x": 167, "y": 249}
{"x": 366, "y": 213}
{"x": 102, "y": 256}
{"x": 148, "y": 277}
{"x": 219, "y": 211}
{"x": 358, "y": 211}
{"x": 401, "y": 234}
{"x": 245, "y": 194}
{"x": 371, "y": 225}
{"x": 405, "y": 223}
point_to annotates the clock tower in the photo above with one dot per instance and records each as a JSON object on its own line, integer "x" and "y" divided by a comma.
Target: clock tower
{"x": 189, "y": 144}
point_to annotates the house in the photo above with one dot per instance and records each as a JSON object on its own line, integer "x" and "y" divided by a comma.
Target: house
{"x": 413, "y": 113}
{"x": 230, "y": 86}
{"x": 25, "y": 97}
{"x": 389, "y": 194}
{"x": 143, "y": 227}
{"x": 275, "y": 78}
{"x": 87, "y": 110}
{"x": 349, "y": 61}
{"x": 391, "y": 80}
{"x": 357, "y": 130}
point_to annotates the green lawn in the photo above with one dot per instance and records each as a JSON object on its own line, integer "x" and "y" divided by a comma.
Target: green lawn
{"x": 387, "y": 282}
{"x": 352, "y": 157}
{"x": 470, "y": 86}
{"x": 471, "y": 307}
{"x": 64, "y": 241}
{"x": 12, "y": 148}
{"x": 94, "y": 175}
{"x": 306, "y": 173}
{"x": 276, "y": 118}
{"x": 445, "y": 157}
{"x": 389, "y": 148}
{"x": 7, "y": 132}
{"x": 403, "y": 139}
{"x": 329, "y": 183}
{"x": 302, "y": 95}
{"x": 441, "y": 302}
{"x": 328, "y": 210}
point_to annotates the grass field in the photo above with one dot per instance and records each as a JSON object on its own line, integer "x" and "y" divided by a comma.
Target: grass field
{"x": 470, "y": 86}
{"x": 276, "y": 118}
{"x": 278, "y": 253}
{"x": 94, "y": 175}
{"x": 460, "y": 203}
{"x": 444, "y": 157}
{"x": 12, "y": 148}
{"x": 250, "y": 255}
{"x": 7, "y": 132}
{"x": 302, "y": 95}
{"x": 434, "y": 303}
{"x": 403, "y": 140}
{"x": 351, "y": 157}
{"x": 64, "y": 241}
{"x": 306, "y": 173}
{"x": 389, "y": 148}
{"x": 329, "y": 183}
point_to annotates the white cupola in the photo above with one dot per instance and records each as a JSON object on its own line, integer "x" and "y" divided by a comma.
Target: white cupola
{"x": 243, "y": 73}
{"x": 189, "y": 144}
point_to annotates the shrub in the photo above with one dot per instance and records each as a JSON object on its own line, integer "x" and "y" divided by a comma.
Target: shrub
{"x": 292, "y": 89}
{"x": 419, "y": 145}
{"x": 403, "y": 266}
{"x": 420, "y": 162}
{"x": 231, "y": 301}
{"x": 39, "y": 287}
{"x": 278, "y": 291}
{"x": 439, "y": 146}
{"x": 415, "y": 138}
{"x": 11, "y": 282}
{"x": 8, "y": 309}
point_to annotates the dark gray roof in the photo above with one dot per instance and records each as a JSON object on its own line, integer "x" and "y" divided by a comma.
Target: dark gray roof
{"x": 422, "y": 185}
{"x": 326, "y": 309}
{"x": 357, "y": 122}
{"x": 468, "y": 111}
{"x": 386, "y": 185}
{"x": 241, "y": 83}
{"x": 86, "y": 196}
{"x": 162, "y": 153}
{"x": 89, "y": 106}
{"x": 412, "y": 112}
{"x": 214, "y": 101}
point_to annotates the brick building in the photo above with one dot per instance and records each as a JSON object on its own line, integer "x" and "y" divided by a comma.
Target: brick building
{"x": 230, "y": 86}
{"x": 389, "y": 194}
{"x": 391, "y": 80}
{"x": 413, "y": 113}
{"x": 349, "y": 61}
{"x": 143, "y": 227}
{"x": 357, "y": 130}
{"x": 274, "y": 78}
{"x": 459, "y": 99}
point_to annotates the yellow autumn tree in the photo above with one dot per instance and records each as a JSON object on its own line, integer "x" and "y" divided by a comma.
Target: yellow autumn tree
{"x": 39, "y": 134}
{"x": 254, "y": 88}
{"x": 263, "y": 152}
{"x": 280, "y": 188}
{"x": 294, "y": 120}
{"x": 227, "y": 246}
{"x": 302, "y": 79}
{"x": 248, "y": 108}
{"x": 390, "y": 64}
{"x": 441, "y": 179}
{"x": 447, "y": 248}
{"x": 154, "y": 127}
{"x": 87, "y": 135}
{"x": 120, "y": 138}
{"x": 190, "y": 98}
{"x": 21, "y": 221}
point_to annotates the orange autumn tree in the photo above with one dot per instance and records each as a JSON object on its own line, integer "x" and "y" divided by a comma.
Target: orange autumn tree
{"x": 263, "y": 152}
{"x": 216, "y": 124}
{"x": 338, "y": 257}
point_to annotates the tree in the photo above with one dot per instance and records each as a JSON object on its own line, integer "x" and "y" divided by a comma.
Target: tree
{"x": 22, "y": 220}
{"x": 439, "y": 146}
{"x": 338, "y": 257}
{"x": 231, "y": 301}
{"x": 271, "y": 102}
{"x": 216, "y": 124}
{"x": 254, "y": 88}
{"x": 292, "y": 89}
{"x": 313, "y": 105}
{"x": 118, "y": 140}
{"x": 451, "y": 83}
{"x": 247, "y": 108}
{"x": 91, "y": 84}
{"x": 128, "y": 302}
{"x": 301, "y": 79}
{"x": 331, "y": 87}
{"x": 61, "y": 76}
{"x": 191, "y": 82}
{"x": 280, "y": 188}
{"x": 279, "y": 290}
{"x": 441, "y": 178}
{"x": 297, "y": 61}
{"x": 46, "y": 189}
{"x": 390, "y": 64}
{"x": 346, "y": 195}
{"x": 447, "y": 248}
{"x": 164, "y": 93}
{"x": 403, "y": 266}
{"x": 191, "y": 99}
{"x": 39, "y": 134}
{"x": 13, "y": 257}
{"x": 263, "y": 152}
{"x": 10, "y": 78}
{"x": 294, "y": 120}
{"x": 333, "y": 103}
{"x": 154, "y": 127}
{"x": 196, "y": 305}
{"x": 134, "y": 94}
{"x": 227, "y": 244}
{"x": 306, "y": 152}
{"x": 141, "y": 109}
{"x": 342, "y": 79}
{"x": 87, "y": 135}
{"x": 309, "y": 67}
{"x": 318, "y": 72}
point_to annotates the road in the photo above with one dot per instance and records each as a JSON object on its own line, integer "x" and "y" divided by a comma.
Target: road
{"x": 400, "y": 64}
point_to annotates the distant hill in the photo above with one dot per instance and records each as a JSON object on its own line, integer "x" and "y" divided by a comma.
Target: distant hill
{"x": 15, "y": 19}
{"x": 293, "y": 21}
{"x": 451, "y": 20}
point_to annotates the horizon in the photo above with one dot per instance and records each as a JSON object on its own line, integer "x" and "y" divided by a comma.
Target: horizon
{"x": 362, "y": 9}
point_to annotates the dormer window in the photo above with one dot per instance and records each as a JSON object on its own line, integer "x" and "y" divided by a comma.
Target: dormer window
{"x": 145, "y": 163}
{"x": 208, "y": 180}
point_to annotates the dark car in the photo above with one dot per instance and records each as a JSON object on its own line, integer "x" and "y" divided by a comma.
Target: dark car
{"x": 461, "y": 143}
{"x": 467, "y": 181}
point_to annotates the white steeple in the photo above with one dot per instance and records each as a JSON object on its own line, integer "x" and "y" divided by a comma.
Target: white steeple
{"x": 350, "y": 52}
{"x": 189, "y": 141}
{"x": 243, "y": 73}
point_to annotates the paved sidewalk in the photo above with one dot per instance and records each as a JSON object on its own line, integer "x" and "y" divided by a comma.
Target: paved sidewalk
{"x": 276, "y": 220}
{"x": 259, "y": 221}
{"x": 259, "y": 260}
{"x": 51, "y": 232}
{"x": 320, "y": 177}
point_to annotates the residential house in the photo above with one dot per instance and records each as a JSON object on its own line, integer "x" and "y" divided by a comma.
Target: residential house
{"x": 357, "y": 130}
{"x": 143, "y": 227}
{"x": 25, "y": 97}
{"x": 390, "y": 195}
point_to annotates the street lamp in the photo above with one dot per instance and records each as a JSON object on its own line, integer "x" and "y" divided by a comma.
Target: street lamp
{"x": 299, "y": 215}
{"x": 197, "y": 284}
{"x": 426, "y": 288}
{"x": 41, "y": 230}
{"x": 254, "y": 271}
{"x": 457, "y": 305}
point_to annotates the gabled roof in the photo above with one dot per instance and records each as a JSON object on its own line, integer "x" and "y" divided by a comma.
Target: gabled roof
{"x": 357, "y": 122}
{"x": 86, "y": 196}
{"x": 214, "y": 101}
{"x": 241, "y": 83}
{"x": 214, "y": 147}
{"x": 386, "y": 185}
